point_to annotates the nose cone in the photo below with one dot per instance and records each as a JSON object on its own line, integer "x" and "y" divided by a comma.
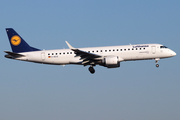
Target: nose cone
{"x": 173, "y": 53}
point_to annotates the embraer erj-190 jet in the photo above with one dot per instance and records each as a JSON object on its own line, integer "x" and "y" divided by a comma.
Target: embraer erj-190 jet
{"x": 109, "y": 56}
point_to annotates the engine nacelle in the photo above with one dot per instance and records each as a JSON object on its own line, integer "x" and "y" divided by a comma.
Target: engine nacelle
{"x": 111, "y": 62}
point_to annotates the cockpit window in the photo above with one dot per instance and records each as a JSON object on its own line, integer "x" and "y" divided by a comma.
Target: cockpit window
{"x": 163, "y": 47}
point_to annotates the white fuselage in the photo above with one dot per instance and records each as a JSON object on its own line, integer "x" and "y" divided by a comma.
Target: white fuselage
{"x": 124, "y": 53}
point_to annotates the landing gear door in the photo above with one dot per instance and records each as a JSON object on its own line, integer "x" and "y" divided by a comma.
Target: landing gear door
{"x": 153, "y": 49}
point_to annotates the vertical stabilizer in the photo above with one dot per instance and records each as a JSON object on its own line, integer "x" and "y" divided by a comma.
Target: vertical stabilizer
{"x": 18, "y": 44}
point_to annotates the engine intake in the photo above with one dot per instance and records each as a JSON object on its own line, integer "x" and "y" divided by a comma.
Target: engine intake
{"x": 111, "y": 62}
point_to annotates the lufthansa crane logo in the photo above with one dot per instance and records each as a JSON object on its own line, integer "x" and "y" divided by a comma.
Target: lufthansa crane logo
{"x": 15, "y": 40}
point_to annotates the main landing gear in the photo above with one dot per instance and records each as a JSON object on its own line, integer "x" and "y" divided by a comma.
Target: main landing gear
{"x": 157, "y": 59}
{"x": 91, "y": 69}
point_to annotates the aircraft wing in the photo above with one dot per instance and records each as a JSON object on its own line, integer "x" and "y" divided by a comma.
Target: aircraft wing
{"x": 87, "y": 57}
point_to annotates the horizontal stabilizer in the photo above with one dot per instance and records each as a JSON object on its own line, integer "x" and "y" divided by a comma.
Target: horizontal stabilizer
{"x": 12, "y": 55}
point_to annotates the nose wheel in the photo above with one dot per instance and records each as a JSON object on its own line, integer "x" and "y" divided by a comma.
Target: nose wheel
{"x": 157, "y": 65}
{"x": 157, "y": 59}
{"x": 91, "y": 70}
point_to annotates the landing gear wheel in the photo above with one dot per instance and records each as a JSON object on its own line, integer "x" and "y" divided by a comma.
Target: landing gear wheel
{"x": 157, "y": 65}
{"x": 91, "y": 70}
{"x": 157, "y": 59}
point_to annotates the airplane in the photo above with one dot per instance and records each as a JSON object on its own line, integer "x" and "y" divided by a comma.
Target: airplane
{"x": 109, "y": 56}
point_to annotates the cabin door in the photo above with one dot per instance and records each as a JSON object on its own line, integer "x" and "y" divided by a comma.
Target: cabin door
{"x": 43, "y": 56}
{"x": 153, "y": 49}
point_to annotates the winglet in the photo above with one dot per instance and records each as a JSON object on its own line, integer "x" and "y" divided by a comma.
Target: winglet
{"x": 70, "y": 47}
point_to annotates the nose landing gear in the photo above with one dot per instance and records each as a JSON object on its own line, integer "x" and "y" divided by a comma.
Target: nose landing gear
{"x": 157, "y": 59}
{"x": 91, "y": 70}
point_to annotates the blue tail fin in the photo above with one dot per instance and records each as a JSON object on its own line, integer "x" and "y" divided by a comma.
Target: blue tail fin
{"x": 17, "y": 42}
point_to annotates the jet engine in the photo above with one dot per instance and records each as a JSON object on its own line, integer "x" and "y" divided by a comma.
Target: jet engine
{"x": 111, "y": 62}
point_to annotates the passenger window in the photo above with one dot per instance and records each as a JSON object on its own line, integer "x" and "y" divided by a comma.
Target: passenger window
{"x": 121, "y": 49}
{"x": 52, "y": 53}
{"x": 67, "y": 52}
{"x": 56, "y": 53}
{"x": 136, "y": 48}
{"x": 60, "y": 53}
{"x": 97, "y": 51}
{"x": 63, "y": 53}
{"x": 113, "y": 50}
{"x": 144, "y": 48}
{"x": 101, "y": 50}
{"x": 132, "y": 48}
{"x": 48, "y": 53}
{"x": 105, "y": 50}
{"x": 109, "y": 50}
{"x": 128, "y": 49}
{"x": 124, "y": 49}
{"x": 139, "y": 48}
{"x": 117, "y": 49}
